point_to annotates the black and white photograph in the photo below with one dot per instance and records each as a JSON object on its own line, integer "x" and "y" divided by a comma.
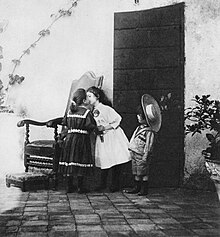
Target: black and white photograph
{"x": 109, "y": 118}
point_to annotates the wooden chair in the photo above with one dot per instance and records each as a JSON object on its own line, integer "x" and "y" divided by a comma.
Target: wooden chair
{"x": 42, "y": 154}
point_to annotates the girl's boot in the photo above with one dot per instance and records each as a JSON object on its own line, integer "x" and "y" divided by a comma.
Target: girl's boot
{"x": 115, "y": 186}
{"x": 144, "y": 189}
{"x": 136, "y": 189}
{"x": 103, "y": 183}
{"x": 70, "y": 187}
{"x": 80, "y": 188}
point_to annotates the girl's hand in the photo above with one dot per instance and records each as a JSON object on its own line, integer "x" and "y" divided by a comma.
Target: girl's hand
{"x": 101, "y": 128}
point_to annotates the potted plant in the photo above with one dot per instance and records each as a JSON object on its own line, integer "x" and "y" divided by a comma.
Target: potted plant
{"x": 205, "y": 116}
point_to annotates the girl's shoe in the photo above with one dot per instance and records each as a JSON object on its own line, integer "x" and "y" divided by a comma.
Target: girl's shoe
{"x": 80, "y": 188}
{"x": 83, "y": 190}
{"x": 70, "y": 187}
{"x": 70, "y": 190}
{"x": 100, "y": 188}
{"x": 103, "y": 182}
{"x": 114, "y": 189}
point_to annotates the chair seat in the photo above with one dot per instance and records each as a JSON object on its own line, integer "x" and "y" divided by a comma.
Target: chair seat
{"x": 42, "y": 143}
{"x": 40, "y": 148}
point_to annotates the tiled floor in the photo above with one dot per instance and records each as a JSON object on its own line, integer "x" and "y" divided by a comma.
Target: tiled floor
{"x": 164, "y": 212}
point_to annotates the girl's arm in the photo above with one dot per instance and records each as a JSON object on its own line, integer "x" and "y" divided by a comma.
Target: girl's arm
{"x": 113, "y": 118}
{"x": 104, "y": 128}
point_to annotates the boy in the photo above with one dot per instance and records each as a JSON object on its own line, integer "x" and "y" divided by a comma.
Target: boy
{"x": 142, "y": 141}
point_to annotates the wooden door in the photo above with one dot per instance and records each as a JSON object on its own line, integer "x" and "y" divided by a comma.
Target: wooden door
{"x": 149, "y": 58}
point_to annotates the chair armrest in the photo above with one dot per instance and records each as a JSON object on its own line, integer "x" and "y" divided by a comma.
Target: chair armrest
{"x": 54, "y": 122}
{"x": 29, "y": 121}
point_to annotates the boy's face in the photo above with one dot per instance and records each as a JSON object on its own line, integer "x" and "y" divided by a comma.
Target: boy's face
{"x": 141, "y": 119}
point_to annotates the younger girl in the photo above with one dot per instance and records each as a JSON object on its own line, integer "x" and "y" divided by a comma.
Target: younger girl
{"x": 111, "y": 149}
{"x": 76, "y": 157}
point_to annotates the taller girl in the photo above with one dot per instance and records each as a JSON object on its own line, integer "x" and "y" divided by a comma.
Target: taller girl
{"x": 111, "y": 149}
{"x": 76, "y": 155}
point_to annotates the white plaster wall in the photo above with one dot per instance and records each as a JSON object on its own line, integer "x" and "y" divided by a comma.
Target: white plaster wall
{"x": 76, "y": 44}
{"x": 84, "y": 42}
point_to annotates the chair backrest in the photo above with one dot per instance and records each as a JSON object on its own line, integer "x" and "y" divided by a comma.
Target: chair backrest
{"x": 85, "y": 81}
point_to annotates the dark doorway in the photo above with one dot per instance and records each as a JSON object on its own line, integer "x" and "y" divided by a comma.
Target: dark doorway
{"x": 149, "y": 58}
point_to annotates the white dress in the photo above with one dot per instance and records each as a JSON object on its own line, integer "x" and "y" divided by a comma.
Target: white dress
{"x": 113, "y": 150}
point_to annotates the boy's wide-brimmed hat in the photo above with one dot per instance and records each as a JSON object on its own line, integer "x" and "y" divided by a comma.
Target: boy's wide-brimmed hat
{"x": 152, "y": 112}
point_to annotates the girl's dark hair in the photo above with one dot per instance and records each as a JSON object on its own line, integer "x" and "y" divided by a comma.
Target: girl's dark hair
{"x": 100, "y": 95}
{"x": 78, "y": 97}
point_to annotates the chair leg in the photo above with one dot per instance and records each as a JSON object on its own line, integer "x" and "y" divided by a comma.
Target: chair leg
{"x": 55, "y": 164}
{"x": 25, "y": 163}
{"x": 23, "y": 187}
{"x": 54, "y": 181}
{"x": 47, "y": 184}
{"x": 8, "y": 184}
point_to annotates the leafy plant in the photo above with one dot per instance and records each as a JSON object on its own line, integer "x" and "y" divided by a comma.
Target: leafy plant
{"x": 213, "y": 150}
{"x": 169, "y": 102}
{"x": 1, "y": 93}
{"x": 205, "y": 116}
{"x": 15, "y": 79}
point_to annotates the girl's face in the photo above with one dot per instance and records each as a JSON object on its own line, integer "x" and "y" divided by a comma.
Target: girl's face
{"x": 91, "y": 98}
{"x": 140, "y": 119}
{"x": 86, "y": 101}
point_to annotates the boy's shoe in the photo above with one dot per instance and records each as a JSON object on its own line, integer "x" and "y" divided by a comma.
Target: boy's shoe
{"x": 133, "y": 190}
{"x": 144, "y": 189}
{"x": 136, "y": 189}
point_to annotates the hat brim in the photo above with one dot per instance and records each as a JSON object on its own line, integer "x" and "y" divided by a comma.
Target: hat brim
{"x": 147, "y": 100}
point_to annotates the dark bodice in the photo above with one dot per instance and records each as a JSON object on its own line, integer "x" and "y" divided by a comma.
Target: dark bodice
{"x": 82, "y": 119}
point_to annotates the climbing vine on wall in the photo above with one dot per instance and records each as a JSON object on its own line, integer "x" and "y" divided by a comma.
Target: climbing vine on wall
{"x": 14, "y": 78}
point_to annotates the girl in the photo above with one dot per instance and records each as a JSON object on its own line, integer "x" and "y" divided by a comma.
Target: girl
{"x": 111, "y": 149}
{"x": 76, "y": 157}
